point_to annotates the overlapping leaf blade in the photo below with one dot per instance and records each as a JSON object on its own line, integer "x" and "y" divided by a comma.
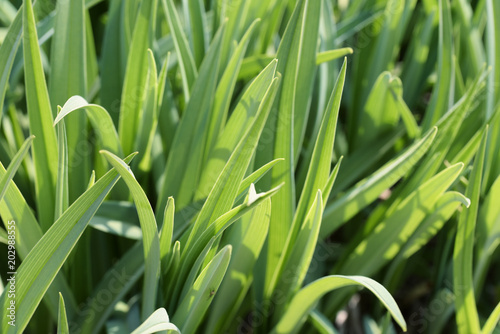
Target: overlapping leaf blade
{"x": 40, "y": 116}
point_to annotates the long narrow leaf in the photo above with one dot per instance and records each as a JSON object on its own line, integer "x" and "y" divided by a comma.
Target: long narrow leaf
{"x": 191, "y": 310}
{"x": 69, "y": 78}
{"x": 40, "y": 116}
{"x": 135, "y": 77}
{"x": 41, "y": 265}
{"x": 467, "y": 317}
{"x": 151, "y": 239}
{"x": 304, "y": 300}
{"x": 62, "y": 323}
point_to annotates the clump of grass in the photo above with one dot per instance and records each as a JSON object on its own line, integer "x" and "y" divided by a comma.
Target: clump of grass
{"x": 222, "y": 166}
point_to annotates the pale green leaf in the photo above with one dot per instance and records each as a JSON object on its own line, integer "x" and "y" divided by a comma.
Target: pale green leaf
{"x": 100, "y": 119}
{"x": 367, "y": 190}
{"x": 135, "y": 75}
{"x": 442, "y": 94}
{"x": 68, "y": 78}
{"x": 158, "y": 321}
{"x": 247, "y": 239}
{"x": 151, "y": 239}
{"x": 41, "y": 265}
{"x": 62, "y": 322}
{"x": 193, "y": 307}
{"x": 186, "y": 59}
{"x": 166, "y": 234}
{"x": 300, "y": 255}
{"x": 40, "y": 117}
{"x": 493, "y": 320}
{"x": 389, "y": 235}
{"x": 8, "y": 50}
{"x": 330, "y": 55}
{"x": 14, "y": 165}
{"x": 241, "y": 120}
{"x": 466, "y": 310}
{"x": 303, "y": 302}
{"x": 182, "y": 173}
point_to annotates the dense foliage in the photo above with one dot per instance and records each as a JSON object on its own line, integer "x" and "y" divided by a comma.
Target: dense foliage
{"x": 263, "y": 166}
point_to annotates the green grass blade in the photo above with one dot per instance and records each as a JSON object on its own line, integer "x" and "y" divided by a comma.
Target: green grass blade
{"x": 472, "y": 36}
{"x": 8, "y": 50}
{"x": 41, "y": 265}
{"x": 183, "y": 172}
{"x": 205, "y": 256}
{"x": 304, "y": 301}
{"x": 488, "y": 231}
{"x": 215, "y": 229}
{"x": 492, "y": 321}
{"x": 493, "y": 54}
{"x": 93, "y": 79}
{"x": 14, "y": 207}
{"x": 166, "y": 234}
{"x": 225, "y": 90}
{"x": 14, "y": 165}
{"x": 330, "y": 55}
{"x": 121, "y": 278}
{"x": 331, "y": 180}
{"x": 247, "y": 239}
{"x": 387, "y": 239}
{"x": 68, "y": 78}
{"x": 442, "y": 211}
{"x": 224, "y": 192}
{"x": 241, "y": 120}
{"x": 149, "y": 231}
{"x": 130, "y": 13}
{"x": 492, "y": 100}
{"x": 100, "y": 119}
{"x": 4, "y": 238}
{"x": 198, "y": 25}
{"x": 449, "y": 126}
{"x": 135, "y": 75}
{"x": 321, "y": 323}
{"x": 62, "y": 322}
{"x": 396, "y": 14}
{"x": 367, "y": 190}
{"x": 148, "y": 118}
{"x": 251, "y": 66}
{"x": 299, "y": 260}
{"x": 62, "y": 185}
{"x": 443, "y": 92}
{"x": 467, "y": 153}
{"x": 466, "y": 311}
{"x": 40, "y": 117}
{"x": 7, "y": 13}
{"x": 186, "y": 59}
{"x": 380, "y": 114}
{"x": 158, "y": 321}
{"x": 256, "y": 176}
{"x": 168, "y": 117}
{"x": 193, "y": 307}
{"x": 414, "y": 73}
{"x": 112, "y": 68}
{"x": 298, "y": 69}
{"x": 279, "y": 142}
{"x": 361, "y": 161}
{"x": 119, "y": 228}
{"x": 317, "y": 179}
{"x": 172, "y": 268}
{"x": 412, "y": 128}
{"x": 233, "y": 15}
{"x": 319, "y": 167}
{"x": 298, "y": 77}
